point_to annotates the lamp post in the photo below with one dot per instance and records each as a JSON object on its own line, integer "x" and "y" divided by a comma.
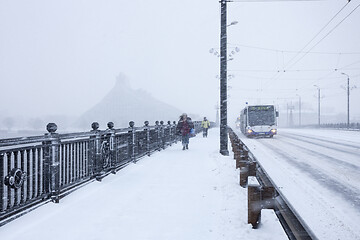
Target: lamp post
{"x": 223, "y": 78}
{"x": 348, "y": 99}
{"x": 223, "y": 82}
{"x": 299, "y": 109}
{"x": 318, "y": 88}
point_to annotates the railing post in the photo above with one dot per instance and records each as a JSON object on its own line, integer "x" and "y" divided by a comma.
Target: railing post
{"x": 52, "y": 163}
{"x": 237, "y": 152}
{"x": 243, "y": 164}
{"x": 162, "y": 134}
{"x": 176, "y": 137}
{"x": 169, "y": 137}
{"x": 157, "y": 129}
{"x": 2, "y": 184}
{"x": 254, "y": 205}
{"x": 111, "y": 138}
{"x": 95, "y": 164}
{"x": 147, "y": 131}
{"x": 132, "y": 141}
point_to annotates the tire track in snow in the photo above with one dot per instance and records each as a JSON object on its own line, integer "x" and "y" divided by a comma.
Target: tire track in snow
{"x": 348, "y": 194}
{"x": 323, "y": 140}
{"x": 323, "y": 155}
{"x": 325, "y": 146}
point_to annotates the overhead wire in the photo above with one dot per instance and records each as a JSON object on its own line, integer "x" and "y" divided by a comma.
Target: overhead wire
{"x": 277, "y": 75}
{"x": 272, "y": 0}
{"x": 319, "y": 32}
{"x": 294, "y": 70}
{"x": 337, "y": 25}
{"x": 293, "y": 51}
{"x": 291, "y": 63}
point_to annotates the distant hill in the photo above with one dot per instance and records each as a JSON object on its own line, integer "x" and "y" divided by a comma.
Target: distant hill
{"x": 123, "y": 104}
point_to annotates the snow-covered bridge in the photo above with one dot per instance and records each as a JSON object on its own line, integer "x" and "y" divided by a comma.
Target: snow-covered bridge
{"x": 195, "y": 194}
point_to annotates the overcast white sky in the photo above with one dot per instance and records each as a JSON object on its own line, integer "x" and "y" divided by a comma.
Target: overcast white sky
{"x": 62, "y": 57}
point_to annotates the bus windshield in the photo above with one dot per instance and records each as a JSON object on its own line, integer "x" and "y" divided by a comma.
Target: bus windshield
{"x": 261, "y": 115}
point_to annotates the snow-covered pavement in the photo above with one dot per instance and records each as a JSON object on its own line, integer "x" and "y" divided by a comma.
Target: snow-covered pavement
{"x": 173, "y": 194}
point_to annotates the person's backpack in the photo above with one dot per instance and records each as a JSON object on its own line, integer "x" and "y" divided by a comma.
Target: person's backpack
{"x": 192, "y": 132}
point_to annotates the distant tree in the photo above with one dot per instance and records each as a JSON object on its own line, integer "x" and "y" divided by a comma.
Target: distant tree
{"x": 36, "y": 123}
{"x": 8, "y": 122}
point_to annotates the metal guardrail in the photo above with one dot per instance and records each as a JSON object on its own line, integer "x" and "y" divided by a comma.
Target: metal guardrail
{"x": 38, "y": 169}
{"x": 265, "y": 194}
{"x": 343, "y": 126}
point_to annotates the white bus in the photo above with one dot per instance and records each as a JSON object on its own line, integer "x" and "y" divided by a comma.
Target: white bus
{"x": 259, "y": 120}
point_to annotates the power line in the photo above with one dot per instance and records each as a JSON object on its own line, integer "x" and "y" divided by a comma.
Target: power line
{"x": 350, "y": 64}
{"x": 312, "y": 39}
{"x": 293, "y": 51}
{"x": 277, "y": 75}
{"x": 287, "y": 79}
{"x": 327, "y": 33}
{"x": 294, "y": 70}
{"x": 273, "y": 1}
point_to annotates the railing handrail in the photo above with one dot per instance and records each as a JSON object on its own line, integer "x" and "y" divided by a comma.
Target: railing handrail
{"x": 34, "y": 139}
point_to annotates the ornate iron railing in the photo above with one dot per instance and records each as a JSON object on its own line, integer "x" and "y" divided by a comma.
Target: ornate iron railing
{"x": 43, "y": 168}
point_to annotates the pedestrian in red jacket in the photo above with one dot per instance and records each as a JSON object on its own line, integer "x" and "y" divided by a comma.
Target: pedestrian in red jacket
{"x": 183, "y": 128}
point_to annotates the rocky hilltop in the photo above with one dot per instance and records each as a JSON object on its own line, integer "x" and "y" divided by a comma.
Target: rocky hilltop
{"x": 123, "y": 104}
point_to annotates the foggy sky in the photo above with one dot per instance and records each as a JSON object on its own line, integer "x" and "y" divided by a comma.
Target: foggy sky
{"x": 62, "y": 57}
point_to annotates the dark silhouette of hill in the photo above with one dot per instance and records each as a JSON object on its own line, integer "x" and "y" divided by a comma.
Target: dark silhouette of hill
{"x": 123, "y": 104}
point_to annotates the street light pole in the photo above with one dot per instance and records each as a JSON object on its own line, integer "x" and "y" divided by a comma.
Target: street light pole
{"x": 318, "y": 88}
{"x": 223, "y": 82}
{"x": 299, "y": 110}
{"x": 348, "y": 99}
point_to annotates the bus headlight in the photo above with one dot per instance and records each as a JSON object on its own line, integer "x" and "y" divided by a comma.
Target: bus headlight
{"x": 249, "y": 131}
{"x": 273, "y": 131}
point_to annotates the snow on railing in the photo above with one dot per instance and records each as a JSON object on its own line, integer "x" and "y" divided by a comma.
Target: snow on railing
{"x": 34, "y": 170}
{"x": 264, "y": 194}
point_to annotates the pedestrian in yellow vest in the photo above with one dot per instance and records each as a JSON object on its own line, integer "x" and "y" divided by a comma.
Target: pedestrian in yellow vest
{"x": 205, "y": 125}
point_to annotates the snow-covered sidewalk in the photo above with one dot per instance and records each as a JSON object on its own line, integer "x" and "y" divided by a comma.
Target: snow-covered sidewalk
{"x": 173, "y": 194}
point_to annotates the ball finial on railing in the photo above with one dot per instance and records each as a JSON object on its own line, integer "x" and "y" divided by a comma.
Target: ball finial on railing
{"x": 95, "y": 126}
{"x": 110, "y": 125}
{"x": 131, "y": 124}
{"x": 51, "y": 127}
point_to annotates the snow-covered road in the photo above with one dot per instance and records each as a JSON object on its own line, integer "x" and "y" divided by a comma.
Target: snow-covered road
{"x": 318, "y": 171}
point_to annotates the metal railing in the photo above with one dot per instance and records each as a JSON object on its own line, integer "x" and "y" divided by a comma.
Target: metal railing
{"x": 264, "y": 194}
{"x": 34, "y": 170}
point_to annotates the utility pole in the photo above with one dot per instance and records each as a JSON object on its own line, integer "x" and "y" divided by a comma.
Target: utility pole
{"x": 319, "y": 107}
{"x": 291, "y": 120}
{"x": 223, "y": 82}
{"x": 299, "y": 109}
{"x": 348, "y": 100}
{"x": 287, "y": 114}
{"x": 318, "y": 88}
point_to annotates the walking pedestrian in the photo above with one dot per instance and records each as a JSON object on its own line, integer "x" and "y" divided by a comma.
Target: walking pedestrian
{"x": 183, "y": 128}
{"x": 205, "y": 124}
